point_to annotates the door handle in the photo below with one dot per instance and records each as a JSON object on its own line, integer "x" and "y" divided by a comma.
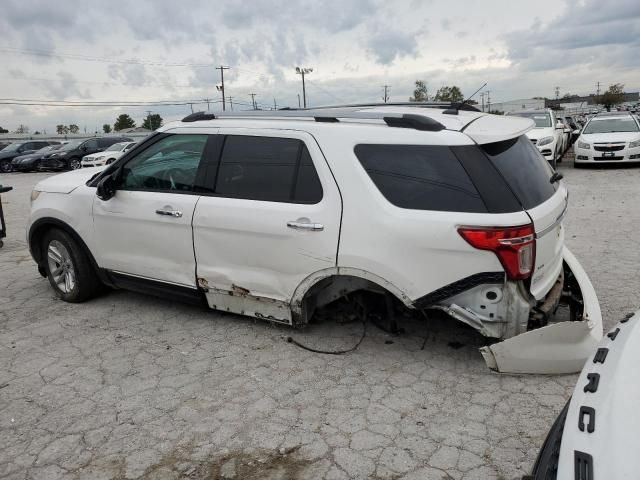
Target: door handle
{"x": 305, "y": 224}
{"x": 169, "y": 212}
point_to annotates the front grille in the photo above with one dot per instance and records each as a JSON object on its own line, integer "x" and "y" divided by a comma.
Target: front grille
{"x": 607, "y": 147}
{"x": 607, "y": 159}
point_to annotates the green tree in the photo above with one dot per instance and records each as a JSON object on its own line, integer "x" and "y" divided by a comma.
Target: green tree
{"x": 152, "y": 122}
{"x": 106, "y": 128}
{"x": 62, "y": 129}
{"x": 123, "y": 121}
{"x": 613, "y": 96}
{"x": 420, "y": 94}
{"x": 449, "y": 94}
{"x": 73, "y": 128}
{"x": 3, "y": 130}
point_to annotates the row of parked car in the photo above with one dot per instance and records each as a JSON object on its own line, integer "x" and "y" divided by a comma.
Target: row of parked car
{"x": 603, "y": 137}
{"x": 32, "y": 155}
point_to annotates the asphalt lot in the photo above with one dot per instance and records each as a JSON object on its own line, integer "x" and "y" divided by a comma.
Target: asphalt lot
{"x": 130, "y": 386}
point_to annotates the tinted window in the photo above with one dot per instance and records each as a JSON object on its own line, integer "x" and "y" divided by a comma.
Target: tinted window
{"x": 524, "y": 169}
{"x": 421, "y": 177}
{"x": 91, "y": 144}
{"x": 171, "y": 164}
{"x": 267, "y": 168}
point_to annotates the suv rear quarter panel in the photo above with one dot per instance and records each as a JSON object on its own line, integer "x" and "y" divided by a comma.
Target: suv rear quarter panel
{"x": 418, "y": 251}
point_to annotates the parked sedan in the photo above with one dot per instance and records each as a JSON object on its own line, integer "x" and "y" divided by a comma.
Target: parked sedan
{"x": 547, "y": 134}
{"x": 31, "y": 161}
{"x": 69, "y": 157}
{"x": 110, "y": 155}
{"x": 609, "y": 137}
{"x": 20, "y": 148}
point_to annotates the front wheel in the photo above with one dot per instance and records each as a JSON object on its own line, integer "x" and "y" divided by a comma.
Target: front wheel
{"x": 68, "y": 267}
{"x": 74, "y": 164}
{"x": 5, "y": 166}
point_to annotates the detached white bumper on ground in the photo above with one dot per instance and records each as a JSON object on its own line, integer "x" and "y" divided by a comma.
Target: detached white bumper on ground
{"x": 554, "y": 349}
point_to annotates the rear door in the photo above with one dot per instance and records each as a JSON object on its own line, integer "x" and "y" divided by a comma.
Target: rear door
{"x": 528, "y": 175}
{"x": 269, "y": 219}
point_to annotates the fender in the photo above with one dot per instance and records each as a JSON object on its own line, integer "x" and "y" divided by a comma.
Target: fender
{"x": 34, "y": 238}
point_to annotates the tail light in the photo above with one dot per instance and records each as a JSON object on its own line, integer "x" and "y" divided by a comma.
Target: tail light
{"x": 514, "y": 246}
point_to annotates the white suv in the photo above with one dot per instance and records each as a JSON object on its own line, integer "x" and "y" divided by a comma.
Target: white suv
{"x": 277, "y": 214}
{"x": 609, "y": 138}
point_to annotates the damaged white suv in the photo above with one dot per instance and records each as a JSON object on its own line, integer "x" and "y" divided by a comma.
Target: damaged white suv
{"x": 276, "y": 214}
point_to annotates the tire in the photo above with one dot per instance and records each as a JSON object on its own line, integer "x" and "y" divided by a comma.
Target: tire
{"x": 5, "y": 166}
{"x": 68, "y": 267}
{"x": 75, "y": 164}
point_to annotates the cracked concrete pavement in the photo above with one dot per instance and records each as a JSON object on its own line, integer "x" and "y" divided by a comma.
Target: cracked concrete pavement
{"x": 129, "y": 386}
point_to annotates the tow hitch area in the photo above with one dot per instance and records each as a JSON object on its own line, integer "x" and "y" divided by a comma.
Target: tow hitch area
{"x": 557, "y": 348}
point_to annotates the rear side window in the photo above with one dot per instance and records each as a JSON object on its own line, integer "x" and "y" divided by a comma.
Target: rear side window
{"x": 267, "y": 168}
{"x": 421, "y": 177}
{"x": 523, "y": 168}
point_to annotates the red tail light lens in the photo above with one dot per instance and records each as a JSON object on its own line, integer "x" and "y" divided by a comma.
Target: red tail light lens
{"x": 514, "y": 246}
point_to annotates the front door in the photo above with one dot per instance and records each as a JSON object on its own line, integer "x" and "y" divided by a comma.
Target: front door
{"x": 145, "y": 229}
{"x": 270, "y": 219}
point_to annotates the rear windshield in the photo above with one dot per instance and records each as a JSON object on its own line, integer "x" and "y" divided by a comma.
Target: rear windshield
{"x": 524, "y": 169}
{"x": 421, "y": 177}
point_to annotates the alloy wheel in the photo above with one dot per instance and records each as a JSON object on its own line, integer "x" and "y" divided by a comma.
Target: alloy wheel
{"x": 61, "y": 266}
{"x": 75, "y": 164}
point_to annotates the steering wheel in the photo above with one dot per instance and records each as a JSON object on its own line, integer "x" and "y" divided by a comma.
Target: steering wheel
{"x": 176, "y": 177}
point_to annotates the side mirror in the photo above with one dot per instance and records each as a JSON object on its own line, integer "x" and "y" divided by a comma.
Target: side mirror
{"x": 106, "y": 188}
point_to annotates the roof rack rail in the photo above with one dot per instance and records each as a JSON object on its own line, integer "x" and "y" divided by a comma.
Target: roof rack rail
{"x": 334, "y": 115}
{"x": 440, "y": 105}
{"x": 197, "y": 116}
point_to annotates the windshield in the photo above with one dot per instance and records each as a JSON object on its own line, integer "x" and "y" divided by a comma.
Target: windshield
{"x": 116, "y": 147}
{"x": 543, "y": 120}
{"x": 609, "y": 125}
{"x": 71, "y": 145}
{"x": 13, "y": 147}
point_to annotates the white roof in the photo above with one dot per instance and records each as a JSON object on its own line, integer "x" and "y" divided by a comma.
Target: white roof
{"x": 480, "y": 127}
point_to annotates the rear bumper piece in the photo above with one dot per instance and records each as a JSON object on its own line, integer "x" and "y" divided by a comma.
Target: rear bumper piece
{"x": 554, "y": 349}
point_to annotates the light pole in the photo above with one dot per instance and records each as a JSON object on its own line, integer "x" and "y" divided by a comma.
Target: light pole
{"x": 303, "y": 71}
{"x": 222, "y": 68}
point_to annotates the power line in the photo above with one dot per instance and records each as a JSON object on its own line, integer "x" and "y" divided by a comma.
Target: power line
{"x": 107, "y": 102}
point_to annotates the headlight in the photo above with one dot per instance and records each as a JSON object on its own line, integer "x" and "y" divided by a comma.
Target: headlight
{"x": 545, "y": 141}
{"x": 34, "y": 195}
{"x": 584, "y": 145}
{"x": 634, "y": 144}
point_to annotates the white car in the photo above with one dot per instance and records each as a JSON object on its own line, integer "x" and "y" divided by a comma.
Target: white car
{"x": 277, "y": 214}
{"x": 110, "y": 155}
{"x": 547, "y": 135}
{"x": 609, "y": 137}
{"x": 596, "y": 434}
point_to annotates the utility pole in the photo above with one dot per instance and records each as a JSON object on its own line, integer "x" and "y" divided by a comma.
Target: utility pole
{"x": 275, "y": 106}
{"x": 222, "y": 68}
{"x": 303, "y": 71}
{"x": 385, "y": 98}
{"x": 253, "y": 100}
{"x": 489, "y": 101}
{"x": 482, "y": 98}
{"x": 191, "y": 105}
{"x": 207, "y": 100}
{"x": 231, "y": 102}
{"x": 557, "y": 92}
{"x": 598, "y": 90}
{"x": 299, "y": 101}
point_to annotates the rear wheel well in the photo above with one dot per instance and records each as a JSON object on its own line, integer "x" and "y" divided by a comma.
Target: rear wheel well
{"x": 335, "y": 287}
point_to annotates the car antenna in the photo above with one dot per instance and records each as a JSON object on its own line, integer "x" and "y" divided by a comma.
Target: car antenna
{"x": 454, "y": 111}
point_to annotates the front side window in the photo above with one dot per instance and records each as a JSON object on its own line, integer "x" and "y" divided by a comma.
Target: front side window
{"x": 170, "y": 164}
{"x": 91, "y": 144}
{"x": 420, "y": 177}
{"x": 267, "y": 168}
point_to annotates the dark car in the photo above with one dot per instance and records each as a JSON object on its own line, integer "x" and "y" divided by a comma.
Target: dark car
{"x": 16, "y": 149}
{"x": 70, "y": 155}
{"x": 31, "y": 161}
{"x": 4, "y": 144}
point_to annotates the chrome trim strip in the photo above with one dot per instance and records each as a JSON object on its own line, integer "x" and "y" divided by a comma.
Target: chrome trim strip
{"x": 153, "y": 279}
{"x": 542, "y": 233}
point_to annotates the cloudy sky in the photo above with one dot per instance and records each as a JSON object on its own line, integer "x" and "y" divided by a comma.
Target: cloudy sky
{"x": 149, "y": 51}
